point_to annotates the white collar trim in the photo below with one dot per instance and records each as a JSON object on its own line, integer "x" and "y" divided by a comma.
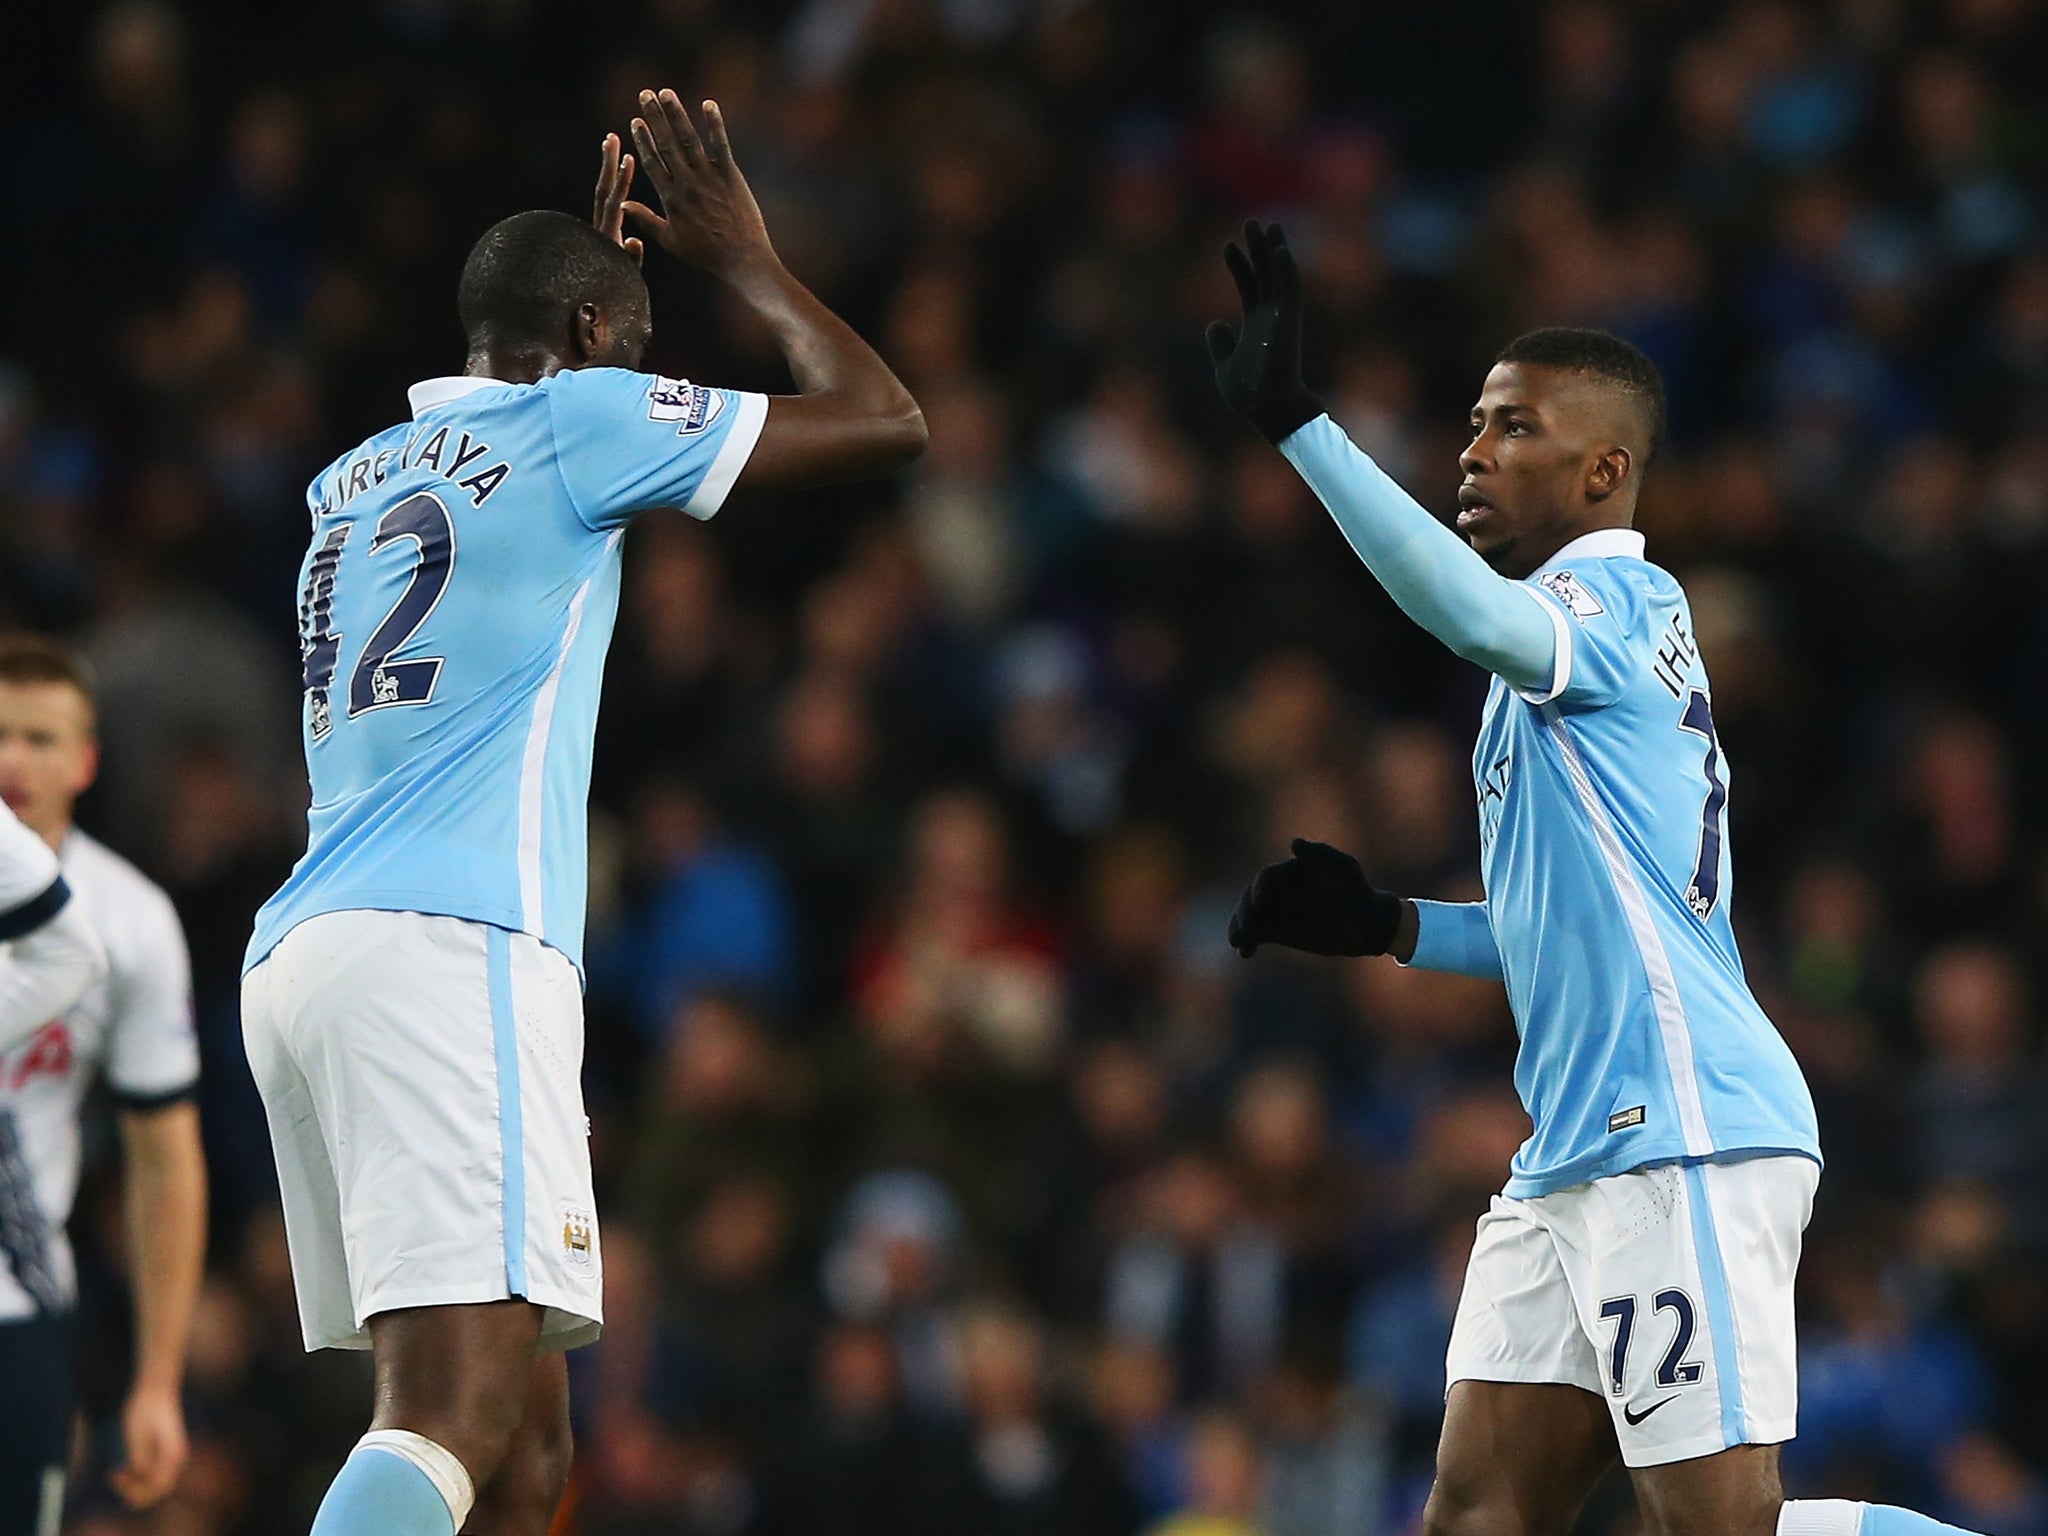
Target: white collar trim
{"x": 1600, "y": 544}
{"x": 428, "y": 393}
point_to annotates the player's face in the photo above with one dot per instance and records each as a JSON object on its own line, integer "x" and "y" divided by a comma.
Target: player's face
{"x": 48, "y": 752}
{"x": 1536, "y": 435}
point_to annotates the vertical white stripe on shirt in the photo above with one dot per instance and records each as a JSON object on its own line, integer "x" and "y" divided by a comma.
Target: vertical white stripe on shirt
{"x": 1670, "y": 1010}
{"x": 533, "y": 775}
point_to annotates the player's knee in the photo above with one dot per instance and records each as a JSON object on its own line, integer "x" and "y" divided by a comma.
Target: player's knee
{"x": 1460, "y": 1508}
{"x": 1751, "y": 1515}
{"x": 545, "y": 1475}
{"x": 530, "y": 1486}
{"x": 478, "y": 1427}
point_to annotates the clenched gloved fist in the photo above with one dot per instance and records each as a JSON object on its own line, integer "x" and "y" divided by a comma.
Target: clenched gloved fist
{"x": 1318, "y": 901}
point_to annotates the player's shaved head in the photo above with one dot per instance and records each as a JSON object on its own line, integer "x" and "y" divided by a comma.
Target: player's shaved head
{"x": 530, "y": 275}
{"x": 1561, "y": 432}
{"x": 1616, "y": 368}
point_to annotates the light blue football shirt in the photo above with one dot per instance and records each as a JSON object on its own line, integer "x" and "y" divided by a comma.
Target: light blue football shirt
{"x": 1604, "y": 849}
{"x": 455, "y": 607}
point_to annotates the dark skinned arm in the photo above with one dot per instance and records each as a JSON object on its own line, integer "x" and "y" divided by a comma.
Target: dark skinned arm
{"x": 852, "y": 419}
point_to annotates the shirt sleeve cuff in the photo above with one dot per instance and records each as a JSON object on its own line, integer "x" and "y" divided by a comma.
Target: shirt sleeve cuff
{"x": 1454, "y": 936}
{"x": 733, "y": 454}
{"x": 19, "y": 922}
{"x": 150, "y": 1101}
{"x": 1295, "y": 435}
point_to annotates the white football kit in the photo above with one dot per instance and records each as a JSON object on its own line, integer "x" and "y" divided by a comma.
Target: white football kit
{"x": 134, "y": 1026}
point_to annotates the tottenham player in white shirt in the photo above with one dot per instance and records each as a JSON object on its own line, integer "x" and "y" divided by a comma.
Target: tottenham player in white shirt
{"x": 133, "y": 1026}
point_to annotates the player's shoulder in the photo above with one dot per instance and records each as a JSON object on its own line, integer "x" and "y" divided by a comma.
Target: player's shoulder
{"x": 577, "y": 385}
{"x": 124, "y": 901}
{"x": 329, "y": 489}
{"x": 687, "y": 406}
{"x": 1607, "y": 573}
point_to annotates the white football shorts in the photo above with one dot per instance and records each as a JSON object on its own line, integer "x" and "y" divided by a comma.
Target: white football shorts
{"x": 423, "y": 1081}
{"x": 1666, "y": 1291}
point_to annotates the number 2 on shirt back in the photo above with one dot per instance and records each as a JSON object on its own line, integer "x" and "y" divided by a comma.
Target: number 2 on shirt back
{"x": 377, "y": 681}
{"x": 1705, "y": 889}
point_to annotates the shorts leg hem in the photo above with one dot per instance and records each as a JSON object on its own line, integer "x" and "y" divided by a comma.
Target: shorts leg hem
{"x": 569, "y": 1321}
{"x": 1701, "y": 1446}
{"x": 1514, "y": 1375}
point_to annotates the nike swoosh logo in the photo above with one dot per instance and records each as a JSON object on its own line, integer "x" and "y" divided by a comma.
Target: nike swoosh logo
{"x": 1635, "y": 1418}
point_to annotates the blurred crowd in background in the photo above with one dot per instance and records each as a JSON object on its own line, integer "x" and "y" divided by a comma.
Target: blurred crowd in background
{"x": 954, "y": 1174}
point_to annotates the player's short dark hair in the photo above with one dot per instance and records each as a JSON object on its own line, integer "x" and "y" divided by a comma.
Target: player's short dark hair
{"x": 1609, "y": 358}
{"x": 528, "y": 274}
{"x": 30, "y": 659}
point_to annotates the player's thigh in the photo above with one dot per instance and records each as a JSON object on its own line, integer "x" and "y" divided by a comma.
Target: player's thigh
{"x": 523, "y": 1495}
{"x": 458, "y": 1375}
{"x": 1517, "y": 1320}
{"x": 1517, "y": 1459}
{"x": 1683, "y": 1276}
{"x": 1525, "y": 1434}
{"x": 1736, "y": 1492}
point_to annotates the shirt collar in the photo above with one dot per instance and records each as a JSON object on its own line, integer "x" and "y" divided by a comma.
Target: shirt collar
{"x": 428, "y": 393}
{"x": 1600, "y": 544}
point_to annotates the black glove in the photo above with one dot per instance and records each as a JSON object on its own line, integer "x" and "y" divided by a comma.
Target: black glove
{"x": 1259, "y": 369}
{"x": 1318, "y": 901}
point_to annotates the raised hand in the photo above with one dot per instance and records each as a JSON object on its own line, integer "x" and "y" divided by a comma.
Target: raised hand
{"x": 1318, "y": 901}
{"x": 708, "y": 214}
{"x": 1258, "y": 367}
{"x": 608, "y": 203}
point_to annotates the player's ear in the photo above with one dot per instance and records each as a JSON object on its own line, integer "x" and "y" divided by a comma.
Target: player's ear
{"x": 589, "y": 333}
{"x": 1607, "y": 473}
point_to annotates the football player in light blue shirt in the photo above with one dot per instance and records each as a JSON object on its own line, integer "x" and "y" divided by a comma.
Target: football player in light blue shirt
{"x": 1674, "y": 1151}
{"x": 455, "y": 606}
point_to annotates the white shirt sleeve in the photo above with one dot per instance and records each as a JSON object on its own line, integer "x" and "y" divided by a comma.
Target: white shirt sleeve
{"x": 27, "y": 871}
{"x": 152, "y": 1048}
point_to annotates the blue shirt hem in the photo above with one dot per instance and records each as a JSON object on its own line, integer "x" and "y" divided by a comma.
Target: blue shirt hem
{"x": 266, "y": 938}
{"x": 1527, "y": 1186}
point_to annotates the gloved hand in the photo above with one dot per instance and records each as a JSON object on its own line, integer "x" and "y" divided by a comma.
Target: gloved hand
{"x": 1258, "y": 368}
{"x": 1318, "y": 901}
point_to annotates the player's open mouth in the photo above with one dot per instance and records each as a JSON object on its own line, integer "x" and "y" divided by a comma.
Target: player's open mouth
{"x": 1471, "y": 508}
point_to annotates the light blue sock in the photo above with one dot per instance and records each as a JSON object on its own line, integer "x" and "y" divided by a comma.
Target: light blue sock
{"x": 1884, "y": 1520}
{"x": 1844, "y": 1517}
{"x": 378, "y": 1493}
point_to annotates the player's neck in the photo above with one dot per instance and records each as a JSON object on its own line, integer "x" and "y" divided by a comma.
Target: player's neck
{"x": 1570, "y": 536}
{"x": 513, "y": 367}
